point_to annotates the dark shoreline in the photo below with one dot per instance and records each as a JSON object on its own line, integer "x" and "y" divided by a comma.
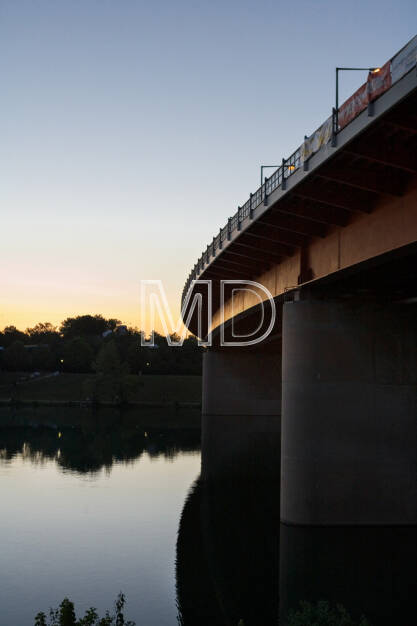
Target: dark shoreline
{"x": 90, "y": 405}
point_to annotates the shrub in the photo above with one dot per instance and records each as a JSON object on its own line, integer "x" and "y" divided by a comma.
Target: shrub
{"x": 64, "y": 615}
{"x": 322, "y": 614}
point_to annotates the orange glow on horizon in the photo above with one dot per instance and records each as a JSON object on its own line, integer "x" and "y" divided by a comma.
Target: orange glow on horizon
{"x": 24, "y": 318}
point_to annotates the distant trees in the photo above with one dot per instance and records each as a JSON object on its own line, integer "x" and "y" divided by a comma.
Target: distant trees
{"x": 77, "y": 355}
{"x": 84, "y": 325}
{"x": 111, "y": 381}
{"x": 108, "y": 360}
{"x": 43, "y": 358}
{"x": 43, "y": 333}
{"x": 16, "y": 357}
{"x": 78, "y": 345}
{"x": 10, "y": 334}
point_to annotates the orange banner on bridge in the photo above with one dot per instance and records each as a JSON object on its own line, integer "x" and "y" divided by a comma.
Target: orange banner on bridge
{"x": 378, "y": 82}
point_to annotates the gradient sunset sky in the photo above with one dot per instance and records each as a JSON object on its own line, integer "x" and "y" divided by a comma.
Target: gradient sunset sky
{"x": 130, "y": 131}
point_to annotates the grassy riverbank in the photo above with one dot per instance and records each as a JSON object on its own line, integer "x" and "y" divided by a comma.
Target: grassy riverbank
{"x": 149, "y": 390}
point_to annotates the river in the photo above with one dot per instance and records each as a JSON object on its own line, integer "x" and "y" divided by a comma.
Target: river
{"x": 97, "y": 503}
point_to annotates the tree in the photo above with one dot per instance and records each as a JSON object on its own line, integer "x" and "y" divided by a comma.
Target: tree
{"x": 65, "y": 616}
{"x": 16, "y": 357}
{"x": 43, "y": 359}
{"x": 66, "y": 613}
{"x": 111, "y": 380}
{"x": 136, "y": 357}
{"x": 112, "y": 323}
{"x": 108, "y": 360}
{"x": 78, "y": 356}
{"x": 323, "y": 614}
{"x": 12, "y": 334}
{"x": 84, "y": 325}
{"x": 43, "y": 332}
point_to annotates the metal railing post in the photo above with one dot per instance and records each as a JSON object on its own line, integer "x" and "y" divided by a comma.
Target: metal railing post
{"x": 283, "y": 182}
{"x": 305, "y": 163}
{"x": 265, "y": 194}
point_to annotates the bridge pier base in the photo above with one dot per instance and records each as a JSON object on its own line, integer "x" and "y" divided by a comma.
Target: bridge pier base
{"x": 241, "y": 422}
{"x": 349, "y": 414}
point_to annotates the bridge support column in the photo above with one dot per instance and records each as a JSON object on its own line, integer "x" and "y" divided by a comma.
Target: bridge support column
{"x": 241, "y": 411}
{"x": 349, "y": 414}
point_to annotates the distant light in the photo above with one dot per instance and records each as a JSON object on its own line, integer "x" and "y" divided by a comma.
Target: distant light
{"x": 145, "y": 434}
{"x": 62, "y": 360}
{"x": 59, "y": 435}
{"x": 376, "y": 70}
{"x": 291, "y": 167}
{"x": 148, "y": 364}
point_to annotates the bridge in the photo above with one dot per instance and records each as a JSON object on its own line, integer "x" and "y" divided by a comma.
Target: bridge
{"x": 332, "y": 386}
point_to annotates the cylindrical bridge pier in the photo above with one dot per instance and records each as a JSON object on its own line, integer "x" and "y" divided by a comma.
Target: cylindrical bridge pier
{"x": 349, "y": 413}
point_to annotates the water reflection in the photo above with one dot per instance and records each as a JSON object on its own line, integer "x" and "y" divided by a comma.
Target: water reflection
{"x": 370, "y": 570}
{"x": 227, "y": 555}
{"x": 236, "y": 564}
{"x": 93, "y": 511}
{"x": 88, "y": 441}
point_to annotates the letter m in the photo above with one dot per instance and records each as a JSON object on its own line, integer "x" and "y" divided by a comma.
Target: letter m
{"x": 153, "y": 300}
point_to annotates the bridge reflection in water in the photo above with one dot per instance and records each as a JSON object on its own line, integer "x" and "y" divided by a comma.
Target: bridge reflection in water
{"x": 235, "y": 561}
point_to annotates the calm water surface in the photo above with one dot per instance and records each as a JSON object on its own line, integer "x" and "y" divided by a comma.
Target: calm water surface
{"x": 89, "y": 511}
{"x": 97, "y": 503}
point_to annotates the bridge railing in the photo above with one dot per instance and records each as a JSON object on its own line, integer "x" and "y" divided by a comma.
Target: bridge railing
{"x": 377, "y": 83}
{"x": 288, "y": 167}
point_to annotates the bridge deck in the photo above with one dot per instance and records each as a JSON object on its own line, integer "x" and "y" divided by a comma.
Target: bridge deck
{"x": 354, "y": 199}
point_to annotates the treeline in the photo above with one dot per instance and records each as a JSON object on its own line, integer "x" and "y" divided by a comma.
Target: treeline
{"x": 80, "y": 343}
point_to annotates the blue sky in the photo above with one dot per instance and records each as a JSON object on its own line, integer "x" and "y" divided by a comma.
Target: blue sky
{"x": 130, "y": 131}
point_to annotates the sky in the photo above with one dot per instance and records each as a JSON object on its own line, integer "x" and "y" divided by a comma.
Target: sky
{"x": 130, "y": 131}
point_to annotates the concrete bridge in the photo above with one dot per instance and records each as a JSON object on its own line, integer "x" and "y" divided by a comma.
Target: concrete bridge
{"x": 332, "y": 235}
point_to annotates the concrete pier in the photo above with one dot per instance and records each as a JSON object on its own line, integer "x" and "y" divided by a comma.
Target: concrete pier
{"x": 242, "y": 381}
{"x": 241, "y": 422}
{"x": 349, "y": 413}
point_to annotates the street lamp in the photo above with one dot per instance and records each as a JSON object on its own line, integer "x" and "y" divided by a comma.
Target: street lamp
{"x": 349, "y": 69}
{"x": 263, "y": 167}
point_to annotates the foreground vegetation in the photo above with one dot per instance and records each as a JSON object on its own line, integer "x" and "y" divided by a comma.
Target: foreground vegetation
{"x": 64, "y": 615}
{"x": 323, "y": 614}
{"x": 318, "y": 614}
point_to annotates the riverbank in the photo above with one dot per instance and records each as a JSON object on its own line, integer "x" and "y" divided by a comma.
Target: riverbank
{"x": 160, "y": 391}
{"x": 90, "y": 419}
